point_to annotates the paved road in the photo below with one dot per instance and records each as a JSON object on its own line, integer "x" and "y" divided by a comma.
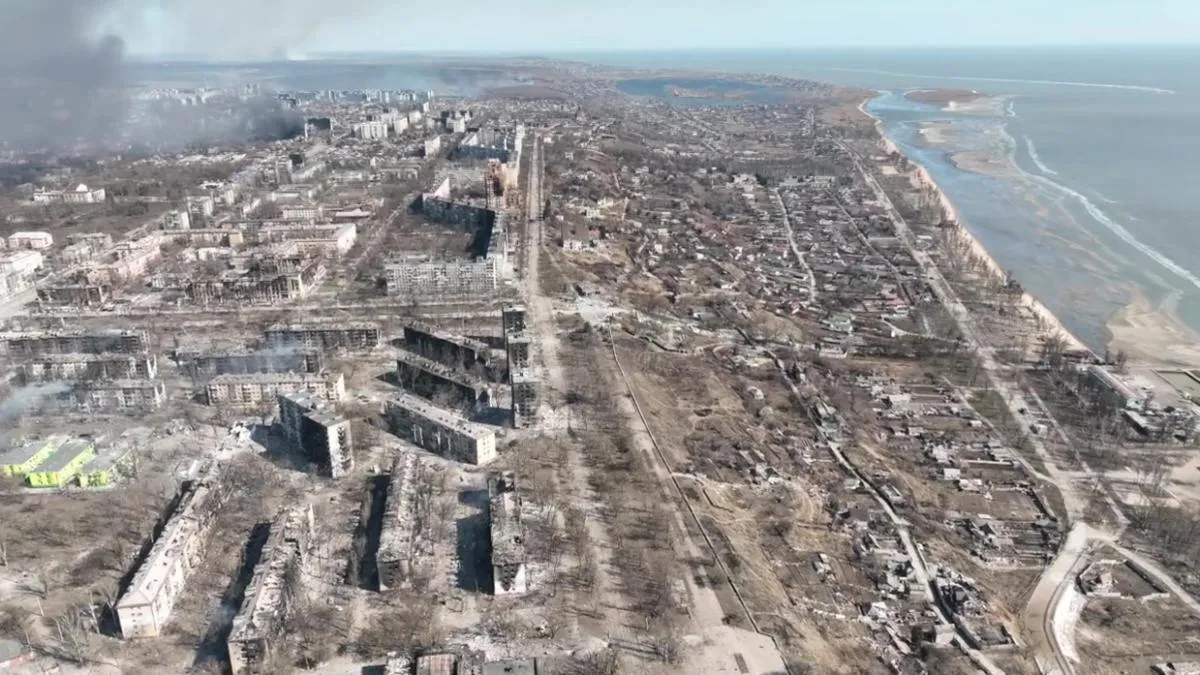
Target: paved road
{"x": 791, "y": 235}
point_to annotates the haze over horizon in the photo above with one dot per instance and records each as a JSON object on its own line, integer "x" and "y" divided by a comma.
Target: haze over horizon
{"x": 165, "y": 27}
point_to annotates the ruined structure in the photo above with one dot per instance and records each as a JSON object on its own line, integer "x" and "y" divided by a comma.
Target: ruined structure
{"x": 52, "y": 367}
{"x": 401, "y": 540}
{"x": 351, "y": 335}
{"x": 202, "y": 365}
{"x": 517, "y": 349}
{"x": 508, "y": 535}
{"x": 249, "y": 390}
{"x": 421, "y": 277}
{"x": 112, "y": 395}
{"x": 312, "y": 425}
{"x": 439, "y": 431}
{"x": 444, "y": 347}
{"x": 26, "y": 345}
{"x": 431, "y": 379}
{"x": 272, "y": 591}
{"x": 146, "y": 606}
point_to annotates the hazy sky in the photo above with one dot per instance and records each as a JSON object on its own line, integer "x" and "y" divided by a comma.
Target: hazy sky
{"x": 549, "y": 25}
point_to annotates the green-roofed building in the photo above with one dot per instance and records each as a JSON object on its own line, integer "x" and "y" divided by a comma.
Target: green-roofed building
{"x": 20, "y": 461}
{"x": 62, "y": 467}
{"x": 104, "y": 469}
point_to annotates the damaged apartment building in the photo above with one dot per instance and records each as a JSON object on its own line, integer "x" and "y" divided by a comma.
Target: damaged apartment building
{"x": 509, "y": 571}
{"x": 521, "y": 379}
{"x": 332, "y": 336}
{"x": 424, "y": 277}
{"x": 312, "y": 425}
{"x": 437, "y": 381}
{"x": 403, "y": 534}
{"x": 439, "y": 431}
{"x": 254, "y": 389}
{"x": 106, "y": 366}
{"x": 34, "y": 344}
{"x": 144, "y": 609}
{"x": 271, "y": 596}
{"x": 199, "y": 364}
{"x": 444, "y": 347}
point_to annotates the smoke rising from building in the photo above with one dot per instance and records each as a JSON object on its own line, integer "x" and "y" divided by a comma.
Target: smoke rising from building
{"x": 64, "y": 80}
{"x": 22, "y": 400}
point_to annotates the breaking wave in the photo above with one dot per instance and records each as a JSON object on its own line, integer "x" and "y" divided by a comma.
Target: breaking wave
{"x": 1037, "y": 160}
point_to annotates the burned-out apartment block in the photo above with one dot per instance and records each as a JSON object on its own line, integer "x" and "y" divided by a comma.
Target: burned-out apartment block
{"x": 200, "y": 365}
{"x": 445, "y": 347}
{"x": 422, "y": 277}
{"x": 434, "y": 380}
{"x": 120, "y": 395}
{"x": 509, "y": 571}
{"x": 55, "y": 367}
{"x": 146, "y": 606}
{"x": 33, "y": 344}
{"x": 270, "y": 597}
{"x": 512, "y": 319}
{"x": 251, "y": 390}
{"x": 525, "y": 399}
{"x": 403, "y": 537}
{"x": 439, "y": 431}
{"x": 312, "y": 425}
{"x": 349, "y": 336}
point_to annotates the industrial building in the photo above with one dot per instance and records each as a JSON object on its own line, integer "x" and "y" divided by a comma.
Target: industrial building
{"x": 249, "y": 390}
{"x": 26, "y": 345}
{"x": 509, "y": 570}
{"x": 439, "y": 431}
{"x": 203, "y": 365}
{"x": 269, "y": 596}
{"x": 434, "y": 380}
{"x": 402, "y": 536}
{"x": 104, "y": 469}
{"x": 351, "y": 335}
{"x": 312, "y": 425}
{"x": 20, "y": 460}
{"x": 444, "y": 347}
{"x": 63, "y": 465}
{"x": 146, "y": 606}
{"x": 53, "y": 367}
{"x": 422, "y": 277}
{"x": 120, "y": 395}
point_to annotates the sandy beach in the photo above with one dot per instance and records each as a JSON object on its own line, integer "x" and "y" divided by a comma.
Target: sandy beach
{"x": 1152, "y": 334}
{"x": 922, "y": 179}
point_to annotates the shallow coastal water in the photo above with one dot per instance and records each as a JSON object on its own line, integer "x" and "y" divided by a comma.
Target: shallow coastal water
{"x": 1078, "y": 175}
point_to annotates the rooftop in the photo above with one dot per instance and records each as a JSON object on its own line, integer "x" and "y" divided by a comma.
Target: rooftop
{"x": 65, "y": 454}
{"x": 440, "y": 416}
{"x": 28, "y": 451}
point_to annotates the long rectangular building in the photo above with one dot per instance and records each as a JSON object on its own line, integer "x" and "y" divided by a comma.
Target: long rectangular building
{"x": 146, "y": 606}
{"x": 250, "y": 390}
{"x": 120, "y": 395}
{"x": 445, "y": 347}
{"x": 431, "y": 379}
{"x": 439, "y": 431}
{"x": 509, "y": 571}
{"x": 350, "y": 335}
{"x": 402, "y": 534}
{"x": 268, "y": 597}
{"x": 202, "y": 365}
{"x": 30, "y": 344}
{"x": 53, "y": 367}
{"x": 422, "y": 278}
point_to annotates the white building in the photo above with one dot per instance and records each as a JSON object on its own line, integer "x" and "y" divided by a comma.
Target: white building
{"x": 32, "y": 240}
{"x": 20, "y": 262}
{"x": 439, "y": 431}
{"x": 249, "y": 390}
{"x": 371, "y": 131}
{"x": 146, "y": 606}
{"x": 80, "y": 195}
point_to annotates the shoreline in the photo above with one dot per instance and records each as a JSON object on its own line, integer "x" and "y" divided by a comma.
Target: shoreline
{"x": 1053, "y": 326}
